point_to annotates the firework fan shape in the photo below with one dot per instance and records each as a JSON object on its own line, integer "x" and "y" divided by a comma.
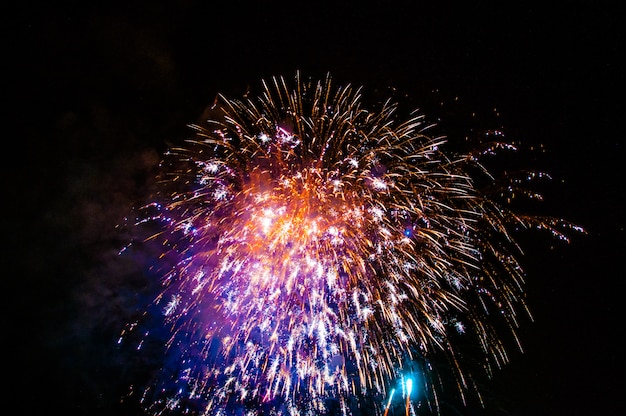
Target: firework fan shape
{"x": 315, "y": 249}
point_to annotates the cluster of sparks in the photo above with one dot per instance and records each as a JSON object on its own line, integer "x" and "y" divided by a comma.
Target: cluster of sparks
{"x": 317, "y": 248}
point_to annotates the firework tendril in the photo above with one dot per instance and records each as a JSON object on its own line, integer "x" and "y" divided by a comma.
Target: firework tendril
{"x": 318, "y": 249}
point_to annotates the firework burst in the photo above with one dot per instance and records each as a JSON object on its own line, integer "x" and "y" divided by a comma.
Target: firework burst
{"x": 318, "y": 249}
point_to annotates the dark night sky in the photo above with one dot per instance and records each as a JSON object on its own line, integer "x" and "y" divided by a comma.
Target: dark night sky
{"x": 97, "y": 92}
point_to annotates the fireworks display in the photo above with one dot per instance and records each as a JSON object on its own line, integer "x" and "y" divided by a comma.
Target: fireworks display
{"x": 314, "y": 250}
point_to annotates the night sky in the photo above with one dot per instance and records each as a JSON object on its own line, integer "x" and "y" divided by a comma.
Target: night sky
{"x": 97, "y": 93}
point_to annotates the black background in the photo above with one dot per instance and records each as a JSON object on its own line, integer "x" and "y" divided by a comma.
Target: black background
{"x": 94, "y": 94}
